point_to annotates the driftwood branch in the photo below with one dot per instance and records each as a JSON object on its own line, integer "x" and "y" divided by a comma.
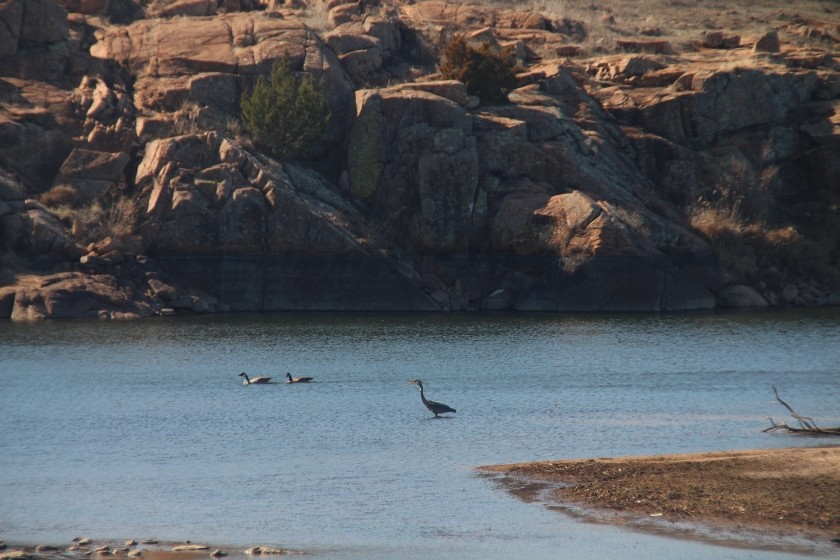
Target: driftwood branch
{"x": 807, "y": 425}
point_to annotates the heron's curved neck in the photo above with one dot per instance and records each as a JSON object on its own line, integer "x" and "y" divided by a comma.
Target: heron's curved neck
{"x": 422, "y": 395}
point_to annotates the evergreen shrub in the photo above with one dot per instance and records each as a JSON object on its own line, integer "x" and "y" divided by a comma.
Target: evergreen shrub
{"x": 288, "y": 115}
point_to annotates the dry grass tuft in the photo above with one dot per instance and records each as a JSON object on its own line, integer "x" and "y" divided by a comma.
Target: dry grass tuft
{"x": 738, "y": 67}
{"x": 115, "y": 218}
{"x": 59, "y": 195}
{"x": 186, "y": 118}
{"x": 716, "y": 222}
{"x": 316, "y": 16}
{"x": 234, "y": 128}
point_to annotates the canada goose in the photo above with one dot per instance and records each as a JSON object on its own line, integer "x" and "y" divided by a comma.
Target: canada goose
{"x": 436, "y": 407}
{"x": 297, "y": 379}
{"x": 253, "y": 380}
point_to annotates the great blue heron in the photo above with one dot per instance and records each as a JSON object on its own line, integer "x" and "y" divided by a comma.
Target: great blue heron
{"x": 297, "y": 379}
{"x": 253, "y": 380}
{"x": 436, "y": 407}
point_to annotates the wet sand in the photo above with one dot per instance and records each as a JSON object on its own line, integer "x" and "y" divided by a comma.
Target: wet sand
{"x": 782, "y": 493}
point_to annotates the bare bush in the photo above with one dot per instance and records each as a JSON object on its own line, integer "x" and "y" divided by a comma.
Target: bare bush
{"x": 488, "y": 73}
{"x": 114, "y": 218}
{"x": 186, "y": 118}
{"x": 726, "y": 232}
{"x": 749, "y": 249}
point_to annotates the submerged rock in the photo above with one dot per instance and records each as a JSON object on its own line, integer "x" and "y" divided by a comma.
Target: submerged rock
{"x": 190, "y": 547}
{"x": 741, "y": 296}
{"x": 17, "y": 555}
{"x": 260, "y": 550}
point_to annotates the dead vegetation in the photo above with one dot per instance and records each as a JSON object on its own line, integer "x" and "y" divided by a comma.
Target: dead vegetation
{"x": 316, "y": 16}
{"x": 110, "y": 216}
{"x": 807, "y": 425}
{"x": 750, "y": 250}
{"x": 59, "y": 195}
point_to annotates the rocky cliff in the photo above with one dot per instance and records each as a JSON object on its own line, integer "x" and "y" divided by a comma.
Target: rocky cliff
{"x": 637, "y": 167}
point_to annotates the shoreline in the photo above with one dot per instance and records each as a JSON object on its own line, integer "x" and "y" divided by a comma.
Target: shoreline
{"x": 85, "y": 548}
{"x": 771, "y": 498}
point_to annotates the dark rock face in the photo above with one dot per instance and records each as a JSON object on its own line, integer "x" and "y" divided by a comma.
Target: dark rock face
{"x": 509, "y": 191}
{"x": 423, "y": 190}
{"x": 263, "y": 236}
{"x": 302, "y": 283}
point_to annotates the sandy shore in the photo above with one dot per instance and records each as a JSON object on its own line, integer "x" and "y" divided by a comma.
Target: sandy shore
{"x": 782, "y": 493}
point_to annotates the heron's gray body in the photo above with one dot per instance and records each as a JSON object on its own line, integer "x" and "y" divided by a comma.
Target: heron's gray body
{"x": 435, "y": 407}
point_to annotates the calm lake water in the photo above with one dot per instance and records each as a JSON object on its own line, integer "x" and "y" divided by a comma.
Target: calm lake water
{"x": 117, "y": 430}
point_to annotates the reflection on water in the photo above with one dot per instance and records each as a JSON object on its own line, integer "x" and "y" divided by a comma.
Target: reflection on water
{"x": 144, "y": 429}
